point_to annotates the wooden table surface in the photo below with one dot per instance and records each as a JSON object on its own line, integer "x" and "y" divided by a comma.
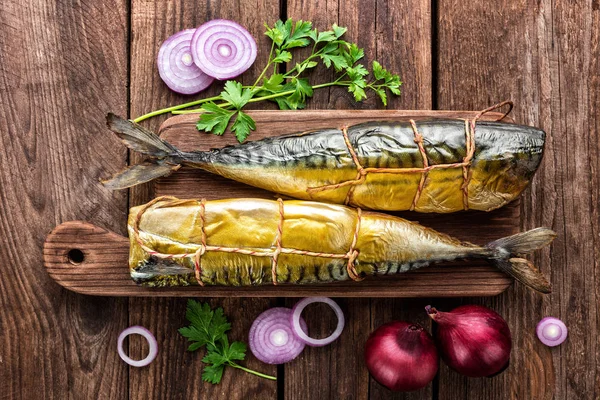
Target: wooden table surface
{"x": 64, "y": 65}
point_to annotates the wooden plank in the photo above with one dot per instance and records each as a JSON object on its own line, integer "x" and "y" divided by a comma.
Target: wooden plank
{"x": 403, "y": 44}
{"x": 386, "y": 29}
{"x": 544, "y": 56}
{"x": 341, "y": 371}
{"x": 62, "y": 65}
{"x": 152, "y": 21}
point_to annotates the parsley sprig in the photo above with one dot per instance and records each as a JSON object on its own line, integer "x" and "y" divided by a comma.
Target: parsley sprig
{"x": 209, "y": 328}
{"x": 291, "y": 89}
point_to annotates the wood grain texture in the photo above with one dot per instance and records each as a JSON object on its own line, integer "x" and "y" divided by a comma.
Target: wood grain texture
{"x": 62, "y": 66}
{"x": 403, "y": 44}
{"x": 152, "y": 21}
{"x": 544, "y": 56}
{"x": 396, "y": 33}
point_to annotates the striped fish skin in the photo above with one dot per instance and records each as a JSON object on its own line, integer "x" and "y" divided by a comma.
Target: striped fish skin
{"x": 385, "y": 244}
{"x": 505, "y": 160}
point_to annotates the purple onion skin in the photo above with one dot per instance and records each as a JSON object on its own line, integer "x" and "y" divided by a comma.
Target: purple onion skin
{"x": 401, "y": 356}
{"x": 473, "y": 340}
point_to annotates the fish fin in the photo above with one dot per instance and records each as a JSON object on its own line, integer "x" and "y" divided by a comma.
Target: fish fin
{"x": 138, "y": 138}
{"x": 504, "y": 251}
{"x": 525, "y": 242}
{"x": 139, "y": 173}
{"x": 525, "y": 272}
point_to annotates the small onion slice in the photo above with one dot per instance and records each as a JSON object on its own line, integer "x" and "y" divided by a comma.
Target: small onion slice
{"x": 551, "y": 331}
{"x": 138, "y": 330}
{"x": 176, "y": 65}
{"x": 297, "y": 312}
{"x": 223, "y": 49}
{"x": 271, "y": 339}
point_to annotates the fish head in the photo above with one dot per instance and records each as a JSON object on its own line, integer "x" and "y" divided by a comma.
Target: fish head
{"x": 505, "y": 161}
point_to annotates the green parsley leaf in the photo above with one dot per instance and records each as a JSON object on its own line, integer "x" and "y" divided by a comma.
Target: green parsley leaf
{"x": 357, "y": 72}
{"x": 300, "y": 35}
{"x": 338, "y": 31}
{"x": 285, "y": 27}
{"x": 242, "y": 126}
{"x": 237, "y": 351}
{"x": 378, "y": 71}
{"x": 330, "y": 48}
{"x": 283, "y": 103}
{"x": 215, "y": 119}
{"x": 275, "y": 34}
{"x": 356, "y": 53}
{"x": 357, "y": 91}
{"x": 282, "y": 56}
{"x": 235, "y": 95}
{"x": 338, "y": 61}
{"x": 274, "y": 83}
{"x": 194, "y": 346}
{"x": 382, "y": 95}
{"x": 213, "y": 373}
{"x": 303, "y": 87}
{"x": 208, "y": 328}
{"x": 393, "y": 84}
{"x": 305, "y": 65}
{"x": 395, "y": 89}
{"x": 213, "y": 357}
{"x": 327, "y": 36}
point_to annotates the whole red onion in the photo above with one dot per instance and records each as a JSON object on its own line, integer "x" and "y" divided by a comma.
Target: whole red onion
{"x": 401, "y": 356}
{"x": 473, "y": 340}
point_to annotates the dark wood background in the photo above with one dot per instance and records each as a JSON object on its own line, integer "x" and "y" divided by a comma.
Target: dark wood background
{"x": 64, "y": 64}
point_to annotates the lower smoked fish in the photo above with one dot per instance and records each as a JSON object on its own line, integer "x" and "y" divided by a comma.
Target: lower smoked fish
{"x": 242, "y": 242}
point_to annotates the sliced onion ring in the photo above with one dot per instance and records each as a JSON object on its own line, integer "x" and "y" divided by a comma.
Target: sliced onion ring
{"x": 176, "y": 65}
{"x": 551, "y": 331}
{"x": 223, "y": 49}
{"x": 271, "y": 338}
{"x": 297, "y": 312}
{"x": 138, "y": 330}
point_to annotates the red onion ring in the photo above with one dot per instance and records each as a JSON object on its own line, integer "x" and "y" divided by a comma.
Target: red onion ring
{"x": 223, "y": 49}
{"x": 271, "y": 338}
{"x": 176, "y": 65}
{"x": 551, "y": 331}
{"x": 298, "y": 331}
{"x": 138, "y": 330}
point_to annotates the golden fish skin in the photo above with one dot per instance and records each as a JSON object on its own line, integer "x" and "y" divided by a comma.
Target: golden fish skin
{"x": 315, "y": 243}
{"x": 321, "y": 166}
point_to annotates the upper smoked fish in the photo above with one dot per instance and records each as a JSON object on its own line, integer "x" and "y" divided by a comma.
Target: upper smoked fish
{"x": 436, "y": 165}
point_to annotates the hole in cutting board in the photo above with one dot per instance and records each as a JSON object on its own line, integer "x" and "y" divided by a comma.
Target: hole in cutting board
{"x": 75, "y": 256}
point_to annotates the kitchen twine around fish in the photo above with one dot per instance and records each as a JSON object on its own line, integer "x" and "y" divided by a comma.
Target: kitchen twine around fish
{"x": 351, "y": 255}
{"x": 465, "y": 164}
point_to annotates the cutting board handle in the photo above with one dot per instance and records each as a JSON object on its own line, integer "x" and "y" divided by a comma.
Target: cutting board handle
{"x": 86, "y": 258}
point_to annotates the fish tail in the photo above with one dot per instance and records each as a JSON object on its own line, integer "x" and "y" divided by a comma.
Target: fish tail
{"x": 163, "y": 158}
{"x": 140, "y": 139}
{"x": 505, "y": 254}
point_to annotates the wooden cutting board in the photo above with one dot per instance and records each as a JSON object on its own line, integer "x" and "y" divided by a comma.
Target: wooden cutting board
{"x": 92, "y": 260}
